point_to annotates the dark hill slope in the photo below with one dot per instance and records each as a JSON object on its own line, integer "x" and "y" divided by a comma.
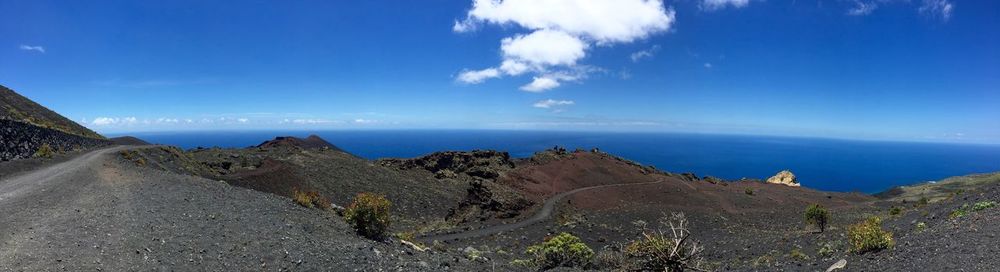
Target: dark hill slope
{"x": 128, "y": 140}
{"x": 283, "y": 165}
{"x": 311, "y": 142}
{"x": 15, "y": 107}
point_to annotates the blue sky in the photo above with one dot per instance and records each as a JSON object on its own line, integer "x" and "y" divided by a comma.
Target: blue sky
{"x": 882, "y": 69}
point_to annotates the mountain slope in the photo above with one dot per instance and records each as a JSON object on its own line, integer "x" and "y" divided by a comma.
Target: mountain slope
{"x": 15, "y": 107}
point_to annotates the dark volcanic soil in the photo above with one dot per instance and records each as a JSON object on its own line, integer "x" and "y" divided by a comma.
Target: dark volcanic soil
{"x": 101, "y": 212}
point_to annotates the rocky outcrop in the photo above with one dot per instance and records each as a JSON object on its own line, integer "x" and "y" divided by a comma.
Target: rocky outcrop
{"x": 21, "y": 140}
{"x": 486, "y": 164}
{"x": 784, "y": 177}
{"x": 311, "y": 142}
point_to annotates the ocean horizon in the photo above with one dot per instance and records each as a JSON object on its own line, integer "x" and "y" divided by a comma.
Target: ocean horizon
{"x": 819, "y": 163}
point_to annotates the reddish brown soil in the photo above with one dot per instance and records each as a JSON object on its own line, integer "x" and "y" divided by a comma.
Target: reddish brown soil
{"x": 577, "y": 170}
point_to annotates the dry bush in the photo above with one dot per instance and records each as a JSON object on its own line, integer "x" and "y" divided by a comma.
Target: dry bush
{"x": 369, "y": 214}
{"x": 671, "y": 250}
{"x": 311, "y": 199}
{"x": 44, "y": 151}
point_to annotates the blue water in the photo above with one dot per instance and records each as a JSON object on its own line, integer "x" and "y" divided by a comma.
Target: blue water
{"x": 825, "y": 164}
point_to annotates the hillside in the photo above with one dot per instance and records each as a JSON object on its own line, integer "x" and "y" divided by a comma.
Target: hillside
{"x": 15, "y": 107}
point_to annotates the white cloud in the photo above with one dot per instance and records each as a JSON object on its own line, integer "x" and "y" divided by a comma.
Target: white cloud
{"x": 163, "y": 120}
{"x": 600, "y": 20}
{"x": 129, "y": 120}
{"x": 707, "y": 65}
{"x": 560, "y": 33}
{"x": 544, "y": 48}
{"x": 365, "y": 121}
{"x": 541, "y": 84}
{"x": 38, "y": 48}
{"x": 513, "y": 67}
{"x": 310, "y": 121}
{"x": 720, "y": 4}
{"x": 104, "y": 121}
{"x": 643, "y": 54}
{"x": 937, "y": 8}
{"x": 549, "y": 103}
{"x": 478, "y": 76}
{"x": 243, "y": 120}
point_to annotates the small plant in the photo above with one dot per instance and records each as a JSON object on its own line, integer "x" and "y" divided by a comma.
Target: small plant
{"x": 798, "y": 255}
{"x": 563, "y": 250}
{"x": 666, "y": 251}
{"x": 748, "y": 191}
{"x": 895, "y": 210}
{"x": 817, "y": 216}
{"x": 921, "y": 226}
{"x": 982, "y": 205}
{"x": 963, "y": 211}
{"x": 369, "y": 214}
{"x": 311, "y": 199}
{"x": 869, "y": 236}
{"x": 829, "y": 248}
{"x": 44, "y": 151}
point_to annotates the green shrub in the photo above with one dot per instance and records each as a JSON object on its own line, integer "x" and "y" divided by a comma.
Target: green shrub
{"x": 982, "y": 205}
{"x": 869, "y": 236}
{"x": 963, "y": 211}
{"x": 369, "y": 214}
{"x": 817, "y": 216}
{"x": 895, "y": 211}
{"x": 921, "y": 226}
{"x": 562, "y": 250}
{"x": 44, "y": 151}
{"x": 748, "y": 191}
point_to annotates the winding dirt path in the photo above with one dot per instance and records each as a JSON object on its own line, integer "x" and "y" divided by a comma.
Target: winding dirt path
{"x": 548, "y": 208}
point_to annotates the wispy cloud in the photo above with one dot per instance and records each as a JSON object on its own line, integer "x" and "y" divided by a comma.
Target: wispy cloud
{"x": 38, "y": 48}
{"x": 644, "y": 54}
{"x": 549, "y": 103}
{"x": 937, "y": 9}
{"x": 711, "y": 5}
{"x": 862, "y": 8}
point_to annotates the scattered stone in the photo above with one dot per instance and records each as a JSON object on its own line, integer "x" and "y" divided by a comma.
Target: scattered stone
{"x": 838, "y": 265}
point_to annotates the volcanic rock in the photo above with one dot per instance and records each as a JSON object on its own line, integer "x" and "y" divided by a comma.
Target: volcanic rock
{"x": 784, "y": 177}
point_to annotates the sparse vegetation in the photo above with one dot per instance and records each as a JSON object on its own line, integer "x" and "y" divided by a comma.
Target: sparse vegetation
{"x": 817, "y": 215}
{"x": 966, "y": 209}
{"x": 562, "y": 250}
{"x": 829, "y": 248}
{"x": 311, "y": 199}
{"x": 895, "y": 210}
{"x": 869, "y": 236}
{"x": 798, "y": 255}
{"x": 748, "y": 191}
{"x": 369, "y": 214}
{"x": 666, "y": 250}
{"x": 44, "y": 151}
{"x": 982, "y": 205}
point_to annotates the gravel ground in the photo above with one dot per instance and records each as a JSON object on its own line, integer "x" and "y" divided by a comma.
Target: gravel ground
{"x": 98, "y": 212}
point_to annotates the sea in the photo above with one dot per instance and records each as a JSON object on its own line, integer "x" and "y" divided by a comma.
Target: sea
{"x": 824, "y": 164}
